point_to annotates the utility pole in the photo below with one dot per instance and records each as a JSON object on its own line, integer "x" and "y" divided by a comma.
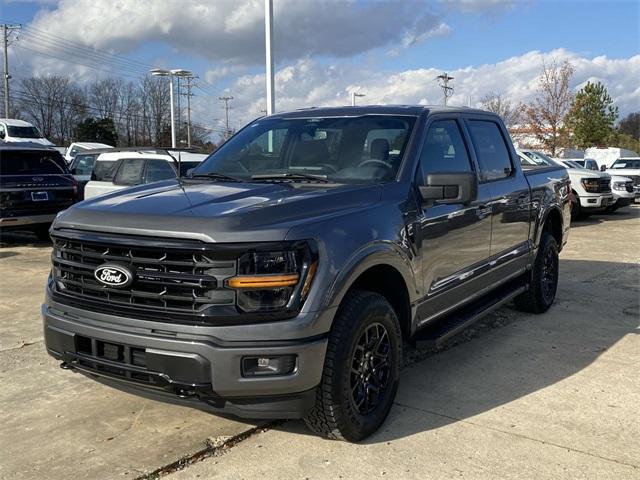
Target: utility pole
{"x": 353, "y": 97}
{"x": 226, "y": 107}
{"x": 189, "y": 95}
{"x": 444, "y": 80}
{"x": 6, "y": 31}
{"x": 268, "y": 39}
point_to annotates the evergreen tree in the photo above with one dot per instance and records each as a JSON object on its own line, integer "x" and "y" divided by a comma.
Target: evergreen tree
{"x": 100, "y": 130}
{"x": 592, "y": 116}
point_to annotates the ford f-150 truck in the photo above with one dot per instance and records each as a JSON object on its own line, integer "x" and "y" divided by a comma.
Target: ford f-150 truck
{"x": 280, "y": 278}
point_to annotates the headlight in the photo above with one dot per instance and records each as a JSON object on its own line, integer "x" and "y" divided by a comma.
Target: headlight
{"x": 619, "y": 186}
{"x": 273, "y": 280}
{"x": 590, "y": 184}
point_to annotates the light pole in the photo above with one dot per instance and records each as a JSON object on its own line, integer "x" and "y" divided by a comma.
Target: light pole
{"x": 178, "y": 72}
{"x": 268, "y": 40}
{"x": 353, "y": 97}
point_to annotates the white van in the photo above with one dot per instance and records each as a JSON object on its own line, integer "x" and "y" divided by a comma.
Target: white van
{"x": 77, "y": 147}
{"x": 13, "y": 131}
{"x": 113, "y": 171}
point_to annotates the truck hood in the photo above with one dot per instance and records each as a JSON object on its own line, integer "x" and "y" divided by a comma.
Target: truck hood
{"x": 36, "y": 141}
{"x": 216, "y": 211}
{"x": 584, "y": 173}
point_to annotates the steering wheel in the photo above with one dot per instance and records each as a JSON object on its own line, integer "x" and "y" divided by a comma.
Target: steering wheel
{"x": 377, "y": 162}
{"x": 328, "y": 166}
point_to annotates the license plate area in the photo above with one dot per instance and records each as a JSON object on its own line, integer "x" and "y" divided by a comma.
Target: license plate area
{"x": 39, "y": 196}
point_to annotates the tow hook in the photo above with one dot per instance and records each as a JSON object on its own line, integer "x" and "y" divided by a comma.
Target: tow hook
{"x": 185, "y": 393}
{"x": 66, "y": 366}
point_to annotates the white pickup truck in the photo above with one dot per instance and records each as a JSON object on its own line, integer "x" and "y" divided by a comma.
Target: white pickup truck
{"x": 591, "y": 190}
{"x": 114, "y": 171}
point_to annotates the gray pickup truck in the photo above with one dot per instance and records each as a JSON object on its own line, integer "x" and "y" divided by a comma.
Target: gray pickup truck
{"x": 280, "y": 278}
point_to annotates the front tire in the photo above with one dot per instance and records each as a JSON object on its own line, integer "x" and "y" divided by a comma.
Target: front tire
{"x": 576, "y": 209}
{"x": 361, "y": 369}
{"x": 543, "y": 282}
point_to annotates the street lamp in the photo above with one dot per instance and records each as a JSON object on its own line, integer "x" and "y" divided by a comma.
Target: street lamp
{"x": 353, "y": 97}
{"x": 178, "y": 72}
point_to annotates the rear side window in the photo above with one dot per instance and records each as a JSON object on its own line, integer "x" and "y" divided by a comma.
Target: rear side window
{"x": 31, "y": 162}
{"x": 491, "y": 150}
{"x": 83, "y": 164}
{"x": 444, "y": 149}
{"x": 158, "y": 170}
{"x": 130, "y": 172}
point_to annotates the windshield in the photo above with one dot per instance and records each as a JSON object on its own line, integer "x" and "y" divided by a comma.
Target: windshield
{"x": 30, "y": 162}
{"x": 539, "y": 158}
{"x": 365, "y": 149}
{"x": 23, "y": 132}
{"x": 627, "y": 163}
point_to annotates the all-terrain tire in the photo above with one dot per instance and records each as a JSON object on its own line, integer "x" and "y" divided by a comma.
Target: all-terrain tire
{"x": 338, "y": 412}
{"x": 543, "y": 282}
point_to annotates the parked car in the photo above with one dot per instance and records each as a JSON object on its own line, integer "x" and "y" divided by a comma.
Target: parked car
{"x": 621, "y": 187}
{"x": 81, "y": 168}
{"x": 35, "y": 185}
{"x": 629, "y": 167}
{"x": 77, "y": 147}
{"x": 591, "y": 189}
{"x": 279, "y": 279}
{"x": 18, "y": 131}
{"x": 128, "y": 168}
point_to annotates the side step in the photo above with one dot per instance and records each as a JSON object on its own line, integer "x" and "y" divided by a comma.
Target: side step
{"x": 435, "y": 333}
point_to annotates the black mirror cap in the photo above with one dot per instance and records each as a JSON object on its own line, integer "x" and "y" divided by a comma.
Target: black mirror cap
{"x": 450, "y": 187}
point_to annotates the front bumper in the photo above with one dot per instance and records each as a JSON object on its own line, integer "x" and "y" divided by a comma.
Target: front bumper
{"x": 195, "y": 370}
{"x": 597, "y": 201}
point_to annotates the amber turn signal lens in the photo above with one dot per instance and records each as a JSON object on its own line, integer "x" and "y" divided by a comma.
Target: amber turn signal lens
{"x": 307, "y": 281}
{"x": 264, "y": 281}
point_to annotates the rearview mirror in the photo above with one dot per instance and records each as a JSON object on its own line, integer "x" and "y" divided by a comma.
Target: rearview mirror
{"x": 450, "y": 187}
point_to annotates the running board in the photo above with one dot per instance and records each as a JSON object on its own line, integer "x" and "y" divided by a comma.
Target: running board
{"x": 435, "y": 333}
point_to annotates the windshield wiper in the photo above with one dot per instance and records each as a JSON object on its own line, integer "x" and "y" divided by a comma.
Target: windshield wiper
{"x": 215, "y": 176}
{"x": 291, "y": 176}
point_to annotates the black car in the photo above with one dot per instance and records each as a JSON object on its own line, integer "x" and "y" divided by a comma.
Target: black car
{"x": 35, "y": 184}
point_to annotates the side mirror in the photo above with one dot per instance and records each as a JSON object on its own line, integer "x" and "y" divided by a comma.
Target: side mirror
{"x": 603, "y": 168}
{"x": 74, "y": 171}
{"x": 450, "y": 187}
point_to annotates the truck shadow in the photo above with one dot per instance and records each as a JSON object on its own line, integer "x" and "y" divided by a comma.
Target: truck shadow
{"x": 510, "y": 355}
{"x": 19, "y": 238}
{"x": 625, "y": 213}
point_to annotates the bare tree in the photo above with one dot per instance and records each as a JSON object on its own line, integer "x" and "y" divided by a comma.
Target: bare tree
{"x": 103, "y": 96}
{"x": 511, "y": 114}
{"x": 546, "y": 114}
{"x": 53, "y": 103}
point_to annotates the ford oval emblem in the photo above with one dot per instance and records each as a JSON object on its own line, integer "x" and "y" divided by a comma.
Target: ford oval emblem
{"x": 113, "y": 275}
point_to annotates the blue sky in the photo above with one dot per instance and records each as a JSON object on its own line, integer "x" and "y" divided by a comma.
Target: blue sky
{"x": 389, "y": 49}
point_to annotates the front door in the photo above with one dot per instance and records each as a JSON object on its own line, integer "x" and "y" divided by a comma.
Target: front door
{"x": 455, "y": 238}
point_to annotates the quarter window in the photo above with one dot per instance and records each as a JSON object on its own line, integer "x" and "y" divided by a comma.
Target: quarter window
{"x": 444, "y": 149}
{"x": 158, "y": 170}
{"x": 491, "y": 150}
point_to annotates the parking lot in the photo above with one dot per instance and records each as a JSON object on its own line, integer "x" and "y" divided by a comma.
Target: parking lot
{"x": 516, "y": 396}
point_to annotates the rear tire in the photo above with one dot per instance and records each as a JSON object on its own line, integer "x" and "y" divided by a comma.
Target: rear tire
{"x": 543, "y": 282}
{"x": 361, "y": 369}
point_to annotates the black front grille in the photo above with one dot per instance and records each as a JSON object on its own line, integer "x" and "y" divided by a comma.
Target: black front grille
{"x": 166, "y": 280}
{"x": 634, "y": 178}
{"x": 604, "y": 185}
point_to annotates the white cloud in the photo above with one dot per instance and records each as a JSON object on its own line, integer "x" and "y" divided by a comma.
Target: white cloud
{"x": 308, "y": 83}
{"x": 232, "y": 31}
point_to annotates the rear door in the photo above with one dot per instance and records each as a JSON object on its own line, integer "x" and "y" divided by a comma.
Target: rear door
{"x": 510, "y": 197}
{"x": 455, "y": 238}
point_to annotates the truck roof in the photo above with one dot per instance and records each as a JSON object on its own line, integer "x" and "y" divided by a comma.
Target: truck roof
{"x": 349, "y": 111}
{"x": 25, "y": 146}
{"x": 14, "y": 122}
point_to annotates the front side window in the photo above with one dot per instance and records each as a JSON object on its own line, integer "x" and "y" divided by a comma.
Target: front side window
{"x": 158, "y": 170}
{"x": 130, "y": 172}
{"x": 491, "y": 150}
{"x": 444, "y": 149}
{"x": 626, "y": 163}
{"x": 364, "y": 149}
{"x": 103, "y": 170}
{"x": 539, "y": 158}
